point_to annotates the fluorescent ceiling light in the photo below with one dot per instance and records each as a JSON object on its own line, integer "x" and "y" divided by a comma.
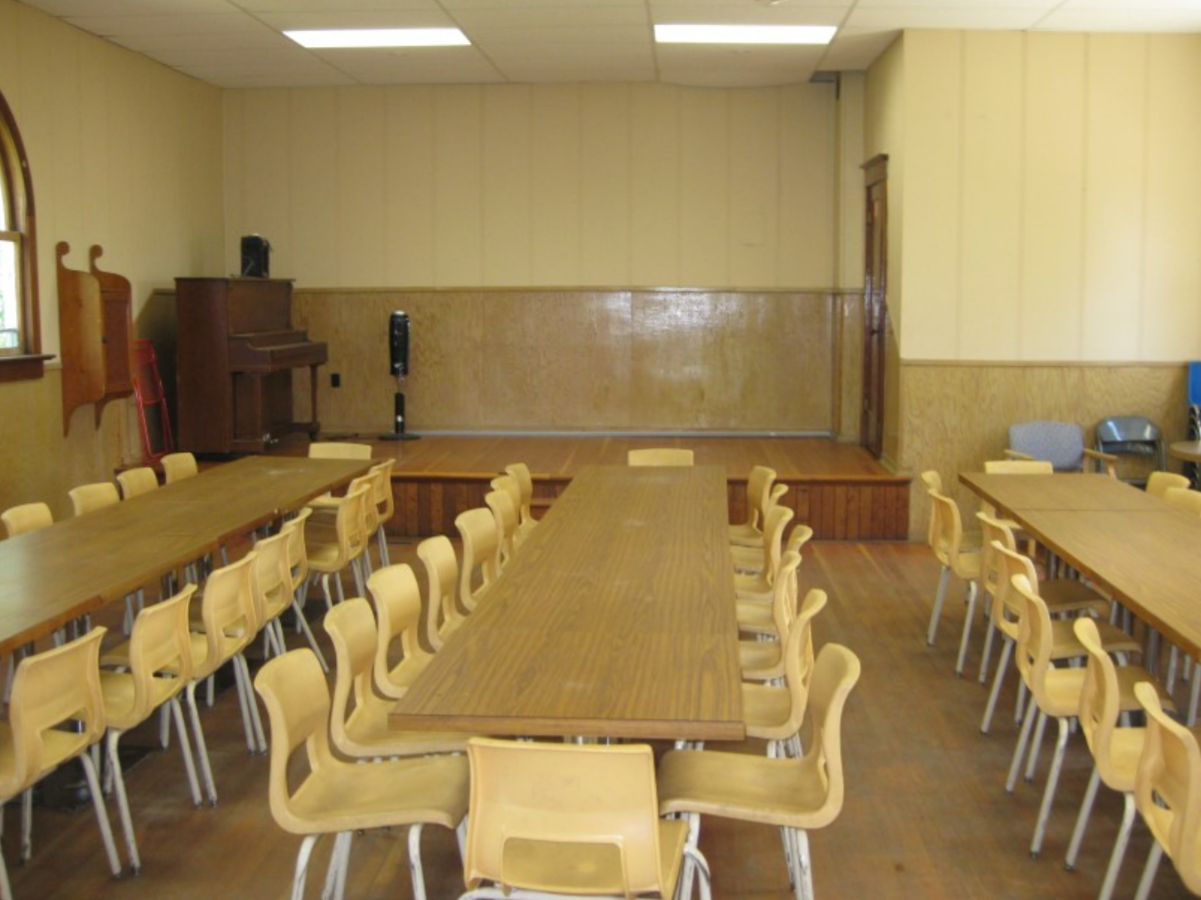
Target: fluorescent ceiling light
{"x": 744, "y": 34}
{"x": 380, "y": 37}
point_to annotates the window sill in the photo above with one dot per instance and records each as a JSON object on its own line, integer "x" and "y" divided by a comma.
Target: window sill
{"x": 28, "y": 367}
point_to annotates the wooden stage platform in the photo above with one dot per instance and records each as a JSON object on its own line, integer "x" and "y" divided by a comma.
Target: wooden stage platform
{"x": 838, "y": 489}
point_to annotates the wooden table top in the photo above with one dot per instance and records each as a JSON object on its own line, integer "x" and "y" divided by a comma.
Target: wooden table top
{"x": 51, "y": 576}
{"x": 1145, "y": 552}
{"x": 615, "y": 619}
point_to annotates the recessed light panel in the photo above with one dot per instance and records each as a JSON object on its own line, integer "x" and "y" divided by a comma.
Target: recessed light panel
{"x": 380, "y": 37}
{"x": 744, "y": 34}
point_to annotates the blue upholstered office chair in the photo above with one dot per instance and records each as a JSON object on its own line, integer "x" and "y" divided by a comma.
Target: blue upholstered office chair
{"x": 1059, "y": 443}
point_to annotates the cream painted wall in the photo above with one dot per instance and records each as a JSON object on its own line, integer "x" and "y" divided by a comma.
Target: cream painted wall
{"x": 537, "y": 185}
{"x": 126, "y": 154}
{"x": 1052, "y": 205}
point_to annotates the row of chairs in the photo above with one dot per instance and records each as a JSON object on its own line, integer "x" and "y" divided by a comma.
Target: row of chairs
{"x": 534, "y": 793}
{"x": 1064, "y": 643}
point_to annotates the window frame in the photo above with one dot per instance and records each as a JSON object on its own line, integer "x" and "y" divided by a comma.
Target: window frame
{"x": 29, "y": 361}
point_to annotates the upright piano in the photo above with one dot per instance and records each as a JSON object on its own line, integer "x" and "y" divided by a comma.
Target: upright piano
{"x": 236, "y": 352}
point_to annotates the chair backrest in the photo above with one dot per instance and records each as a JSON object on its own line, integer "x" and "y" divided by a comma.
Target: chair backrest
{"x": 1184, "y": 499}
{"x": 933, "y": 482}
{"x": 835, "y": 674}
{"x": 481, "y": 554}
{"x": 298, "y": 557}
{"x": 381, "y": 491}
{"x": 50, "y": 689}
{"x": 758, "y": 489}
{"x": 1158, "y": 482}
{"x": 1018, "y": 467}
{"x": 370, "y": 512}
{"x": 1100, "y": 704}
{"x": 799, "y": 660}
{"x": 296, "y": 696}
{"x": 946, "y": 530}
{"x": 350, "y": 520}
{"x": 397, "y": 599}
{"x": 505, "y": 514}
{"x": 158, "y": 645}
{"x": 525, "y": 481}
{"x": 996, "y": 570}
{"x": 784, "y": 606}
{"x": 599, "y": 801}
{"x": 1060, "y": 443}
{"x": 339, "y": 450}
{"x": 1132, "y": 436}
{"x": 227, "y": 609}
{"x": 437, "y": 554}
{"x": 660, "y": 456}
{"x": 90, "y": 497}
{"x": 26, "y": 517}
{"x": 800, "y": 535}
{"x": 134, "y": 482}
{"x": 1167, "y": 787}
{"x": 272, "y": 582}
{"x": 352, "y": 631}
{"x": 773, "y": 539}
{"x": 511, "y": 486}
{"x": 178, "y": 466}
{"x": 1035, "y": 639}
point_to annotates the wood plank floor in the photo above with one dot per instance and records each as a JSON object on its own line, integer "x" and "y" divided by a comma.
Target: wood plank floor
{"x": 926, "y": 815}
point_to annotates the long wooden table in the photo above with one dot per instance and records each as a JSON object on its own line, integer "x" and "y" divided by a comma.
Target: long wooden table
{"x": 1143, "y": 551}
{"x": 616, "y": 618}
{"x": 52, "y": 576}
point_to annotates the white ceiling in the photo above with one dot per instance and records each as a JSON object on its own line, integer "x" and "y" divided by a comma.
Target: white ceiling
{"x": 238, "y": 43}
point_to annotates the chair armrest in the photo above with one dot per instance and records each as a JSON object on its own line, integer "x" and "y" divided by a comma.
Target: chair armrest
{"x": 1109, "y": 460}
{"x": 1015, "y": 454}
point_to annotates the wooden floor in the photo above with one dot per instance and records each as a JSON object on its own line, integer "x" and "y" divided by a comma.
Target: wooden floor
{"x": 838, "y": 489}
{"x": 926, "y": 815}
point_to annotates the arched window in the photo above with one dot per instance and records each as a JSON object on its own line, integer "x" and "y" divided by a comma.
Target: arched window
{"x": 20, "y": 335}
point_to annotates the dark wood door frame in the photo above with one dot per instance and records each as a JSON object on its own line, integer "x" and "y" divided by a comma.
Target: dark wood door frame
{"x": 875, "y": 305}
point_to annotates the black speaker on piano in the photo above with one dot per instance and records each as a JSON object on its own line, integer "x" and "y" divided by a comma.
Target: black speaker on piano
{"x": 256, "y": 257}
{"x": 398, "y": 352}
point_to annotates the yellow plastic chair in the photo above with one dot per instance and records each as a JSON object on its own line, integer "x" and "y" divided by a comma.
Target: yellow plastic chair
{"x": 159, "y": 670}
{"x": 443, "y": 613}
{"x": 228, "y": 613}
{"x": 298, "y": 566}
{"x": 335, "y": 538}
{"x": 525, "y": 483}
{"x": 758, "y": 618}
{"x": 397, "y": 600}
{"x": 776, "y": 713}
{"x": 385, "y": 505}
{"x": 359, "y": 721}
{"x": 518, "y": 531}
{"x": 1158, "y": 482}
{"x": 339, "y": 797}
{"x": 1167, "y": 793}
{"x": 25, "y": 518}
{"x": 560, "y": 819}
{"x": 505, "y": 515}
{"x": 957, "y": 559}
{"x": 762, "y": 659}
{"x": 339, "y": 450}
{"x": 1115, "y": 750}
{"x": 1000, "y": 561}
{"x": 481, "y": 555}
{"x": 178, "y": 466}
{"x": 660, "y": 456}
{"x": 51, "y": 689}
{"x": 1055, "y": 693}
{"x": 1184, "y": 499}
{"x": 795, "y": 794}
{"x": 272, "y": 586}
{"x": 754, "y": 538}
{"x": 90, "y": 497}
{"x": 750, "y": 560}
{"x": 759, "y": 483}
{"x": 135, "y": 482}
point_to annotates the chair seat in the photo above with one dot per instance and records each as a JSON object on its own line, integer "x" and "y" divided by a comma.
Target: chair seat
{"x": 349, "y": 796}
{"x": 1065, "y": 644}
{"x": 1064, "y": 595}
{"x": 119, "y": 701}
{"x": 766, "y": 790}
{"x": 755, "y": 617}
{"x": 758, "y": 656}
{"x": 58, "y": 746}
{"x": 369, "y": 734}
{"x": 1063, "y": 687}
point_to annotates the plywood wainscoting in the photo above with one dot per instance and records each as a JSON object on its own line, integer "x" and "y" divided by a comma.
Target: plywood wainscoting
{"x": 666, "y": 360}
{"x": 956, "y": 415}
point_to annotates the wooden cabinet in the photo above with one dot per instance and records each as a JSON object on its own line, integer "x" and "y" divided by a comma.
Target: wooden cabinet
{"x": 236, "y": 352}
{"x": 96, "y": 333}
